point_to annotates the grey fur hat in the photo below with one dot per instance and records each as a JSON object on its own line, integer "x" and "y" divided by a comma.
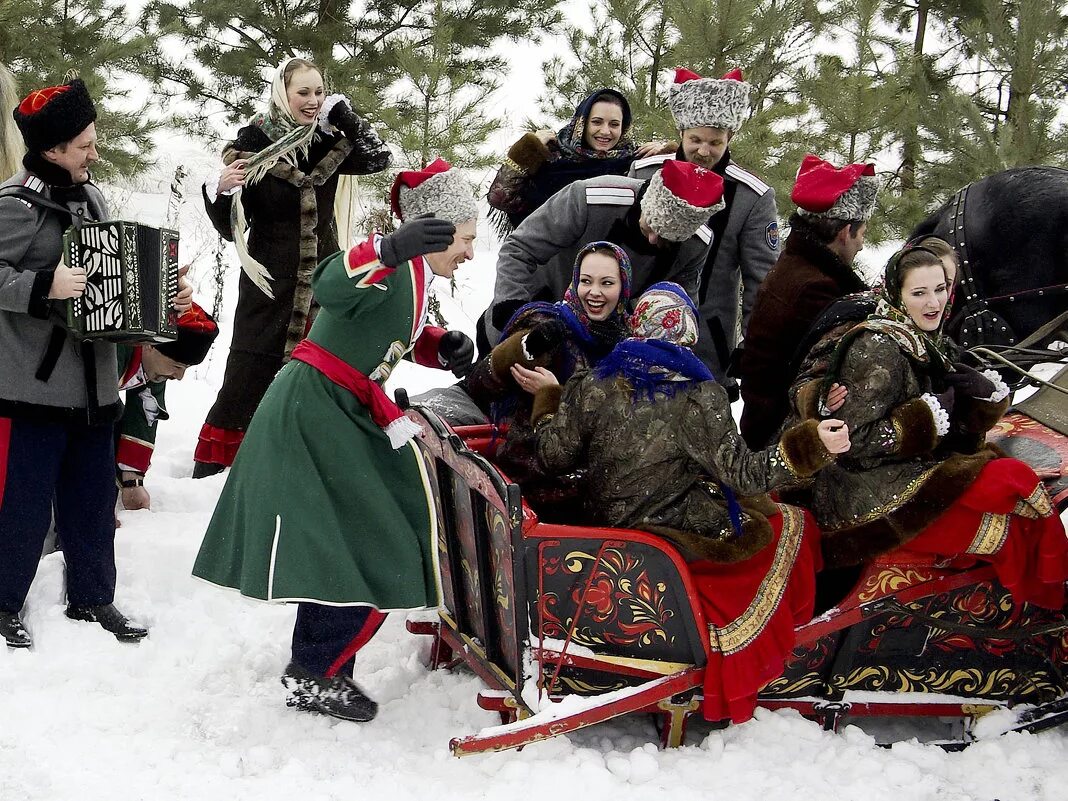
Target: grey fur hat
{"x": 680, "y": 198}
{"x": 698, "y": 102}
{"x": 438, "y": 189}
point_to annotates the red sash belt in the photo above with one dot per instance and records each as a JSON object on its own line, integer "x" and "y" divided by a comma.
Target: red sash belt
{"x": 386, "y": 414}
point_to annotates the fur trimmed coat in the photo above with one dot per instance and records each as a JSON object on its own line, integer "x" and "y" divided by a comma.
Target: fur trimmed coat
{"x": 806, "y": 278}
{"x": 290, "y": 230}
{"x": 899, "y": 475}
{"x": 657, "y": 464}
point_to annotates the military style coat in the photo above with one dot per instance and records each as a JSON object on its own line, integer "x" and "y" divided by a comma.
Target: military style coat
{"x": 744, "y": 246}
{"x": 318, "y": 506}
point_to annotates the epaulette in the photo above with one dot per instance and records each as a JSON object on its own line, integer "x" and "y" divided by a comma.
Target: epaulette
{"x": 747, "y": 178}
{"x": 610, "y": 196}
{"x": 705, "y": 234}
{"x": 652, "y": 161}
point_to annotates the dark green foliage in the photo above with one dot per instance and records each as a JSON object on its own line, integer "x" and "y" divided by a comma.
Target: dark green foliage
{"x": 42, "y": 40}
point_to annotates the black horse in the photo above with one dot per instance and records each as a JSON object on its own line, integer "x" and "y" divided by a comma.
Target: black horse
{"x": 1011, "y": 230}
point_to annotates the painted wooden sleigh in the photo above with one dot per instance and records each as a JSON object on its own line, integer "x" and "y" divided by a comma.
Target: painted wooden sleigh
{"x": 605, "y": 622}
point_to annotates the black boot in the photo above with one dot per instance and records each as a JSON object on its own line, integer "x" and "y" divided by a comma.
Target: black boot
{"x": 110, "y": 619}
{"x": 205, "y": 469}
{"x": 15, "y": 634}
{"x": 338, "y": 697}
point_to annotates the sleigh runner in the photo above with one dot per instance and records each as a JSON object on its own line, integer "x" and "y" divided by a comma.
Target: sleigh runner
{"x": 569, "y": 626}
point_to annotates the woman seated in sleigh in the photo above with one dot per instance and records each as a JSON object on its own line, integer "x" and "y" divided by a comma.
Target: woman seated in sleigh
{"x": 919, "y": 473}
{"x": 662, "y": 454}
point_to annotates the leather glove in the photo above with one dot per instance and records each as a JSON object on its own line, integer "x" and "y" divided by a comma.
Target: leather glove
{"x": 969, "y": 381}
{"x": 456, "y": 352}
{"x": 544, "y": 338}
{"x": 425, "y": 234}
{"x": 503, "y": 312}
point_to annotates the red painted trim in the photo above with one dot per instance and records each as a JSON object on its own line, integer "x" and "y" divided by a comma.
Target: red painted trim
{"x": 5, "y": 450}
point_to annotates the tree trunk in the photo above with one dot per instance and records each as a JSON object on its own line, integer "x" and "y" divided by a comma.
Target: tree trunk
{"x": 910, "y": 151}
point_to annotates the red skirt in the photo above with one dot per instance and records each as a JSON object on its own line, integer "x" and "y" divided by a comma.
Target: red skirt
{"x": 1005, "y": 518}
{"x": 217, "y": 445}
{"x": 751, "y": 608}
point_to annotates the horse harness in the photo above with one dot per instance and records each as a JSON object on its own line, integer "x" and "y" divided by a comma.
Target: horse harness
{"x": 978, "y": 324}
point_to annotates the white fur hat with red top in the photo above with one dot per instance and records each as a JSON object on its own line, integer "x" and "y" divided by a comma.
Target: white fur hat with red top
{"x": 681, "y": 197}
{"x": 844, "y": 193}
{"x": 436, "y": 189}
{"x": 698, "y": 102}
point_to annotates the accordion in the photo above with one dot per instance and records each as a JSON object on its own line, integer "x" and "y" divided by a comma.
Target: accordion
{"x": 131, "y": 279}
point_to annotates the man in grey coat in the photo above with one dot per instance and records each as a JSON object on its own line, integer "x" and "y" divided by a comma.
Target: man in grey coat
{"x": 745, "y": 235}
{"x": 58, "y": 396}
{"x": 659, "y": 222}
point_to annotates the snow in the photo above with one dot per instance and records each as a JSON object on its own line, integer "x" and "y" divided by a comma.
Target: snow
{"x": 196, "y": 710}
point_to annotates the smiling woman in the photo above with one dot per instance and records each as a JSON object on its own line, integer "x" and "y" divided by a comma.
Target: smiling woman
{"x": 278, "y": 185}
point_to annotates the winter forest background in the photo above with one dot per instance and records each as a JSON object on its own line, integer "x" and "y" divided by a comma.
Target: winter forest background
{"x": 937, "y": 92}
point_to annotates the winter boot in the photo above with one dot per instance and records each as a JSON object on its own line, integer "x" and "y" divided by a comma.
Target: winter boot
{"x": 205, "y": 469}
{"x": 339, "y": 697}
{"x": 110, "y": 619}
{"x": 15, "y": 634}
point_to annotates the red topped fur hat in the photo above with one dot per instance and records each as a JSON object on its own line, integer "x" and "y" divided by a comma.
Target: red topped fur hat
{"x": 54, "y": 115}
{"x": 680, "y": 197}
{"x": 846, "y": 193}
{"x": 698, "y": 102}
{"x": 436, "y": 189}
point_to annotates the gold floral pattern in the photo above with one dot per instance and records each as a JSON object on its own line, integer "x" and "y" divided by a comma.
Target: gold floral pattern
{"x": 890, "y": 580}
{"x": 741, "y": 631}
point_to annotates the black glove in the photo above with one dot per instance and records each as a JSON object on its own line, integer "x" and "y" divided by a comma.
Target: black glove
{"x": 969, "y": 381}
{"x": 456, "y": 352}
{"x": 346, "y": 120}
{"x": 946, "y": 399}
{"x": 544, "y": 338}
{"x": 425, "y": 234}
{"x": 503, "y": 312}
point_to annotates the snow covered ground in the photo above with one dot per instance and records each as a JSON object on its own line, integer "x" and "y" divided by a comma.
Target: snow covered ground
{"x": 196, "y": 712}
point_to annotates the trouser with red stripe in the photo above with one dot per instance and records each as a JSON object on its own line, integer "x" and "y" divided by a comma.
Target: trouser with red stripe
{"x": 74, "y": 464}
{"x": 326, "y": 638}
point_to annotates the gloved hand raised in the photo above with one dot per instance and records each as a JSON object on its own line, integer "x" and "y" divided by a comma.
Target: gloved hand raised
{"x": 544, "y": 338}
{"x": 425, "y": 234}
{"x": 970, "y": 382}
{"x": 456, "y": 352}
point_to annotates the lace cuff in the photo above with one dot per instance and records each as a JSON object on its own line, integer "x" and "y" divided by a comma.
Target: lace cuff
{"x": 324, "y": 112}
{"x": 1001, "y": 389}
{"x": 941, "y": 416}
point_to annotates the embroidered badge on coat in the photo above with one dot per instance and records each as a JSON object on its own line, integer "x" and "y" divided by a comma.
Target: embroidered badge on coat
{"x": 772, "y": 235}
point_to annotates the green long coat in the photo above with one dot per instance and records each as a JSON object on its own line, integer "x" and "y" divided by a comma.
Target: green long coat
{"x": 318, "y": 506}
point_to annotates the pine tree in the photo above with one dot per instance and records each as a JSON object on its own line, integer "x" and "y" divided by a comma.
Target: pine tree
{"x": 42, "y": 40}
{"x": 378, "y": 55}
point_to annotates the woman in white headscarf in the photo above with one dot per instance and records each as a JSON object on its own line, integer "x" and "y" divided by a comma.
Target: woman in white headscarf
{"x": 275, "y": 199}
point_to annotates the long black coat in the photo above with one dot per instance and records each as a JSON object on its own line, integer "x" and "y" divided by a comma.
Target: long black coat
{"x": 290, "y": 230}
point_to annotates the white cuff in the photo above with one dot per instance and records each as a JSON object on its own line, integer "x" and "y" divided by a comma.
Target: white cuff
{"x": 523, "y": 344}
{"x": 1001, "y": 389}
{"x": 324, "y": 112}
{"x": 211, "y": 187}
{"x": 941, "y": 416}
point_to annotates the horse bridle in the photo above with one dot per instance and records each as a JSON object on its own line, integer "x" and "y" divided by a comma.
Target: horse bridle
{"x": 974, "y": 302}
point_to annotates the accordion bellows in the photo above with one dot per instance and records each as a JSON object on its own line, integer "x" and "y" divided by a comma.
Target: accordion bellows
{"x": 131, "y": 277}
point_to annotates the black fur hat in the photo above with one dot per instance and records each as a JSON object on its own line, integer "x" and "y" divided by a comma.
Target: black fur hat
{"x": 196, "y": 333}
{"x": 54, "y": 115}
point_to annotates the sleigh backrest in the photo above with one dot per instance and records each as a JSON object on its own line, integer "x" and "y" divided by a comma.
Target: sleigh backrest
{"x": 479, "y": 558}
